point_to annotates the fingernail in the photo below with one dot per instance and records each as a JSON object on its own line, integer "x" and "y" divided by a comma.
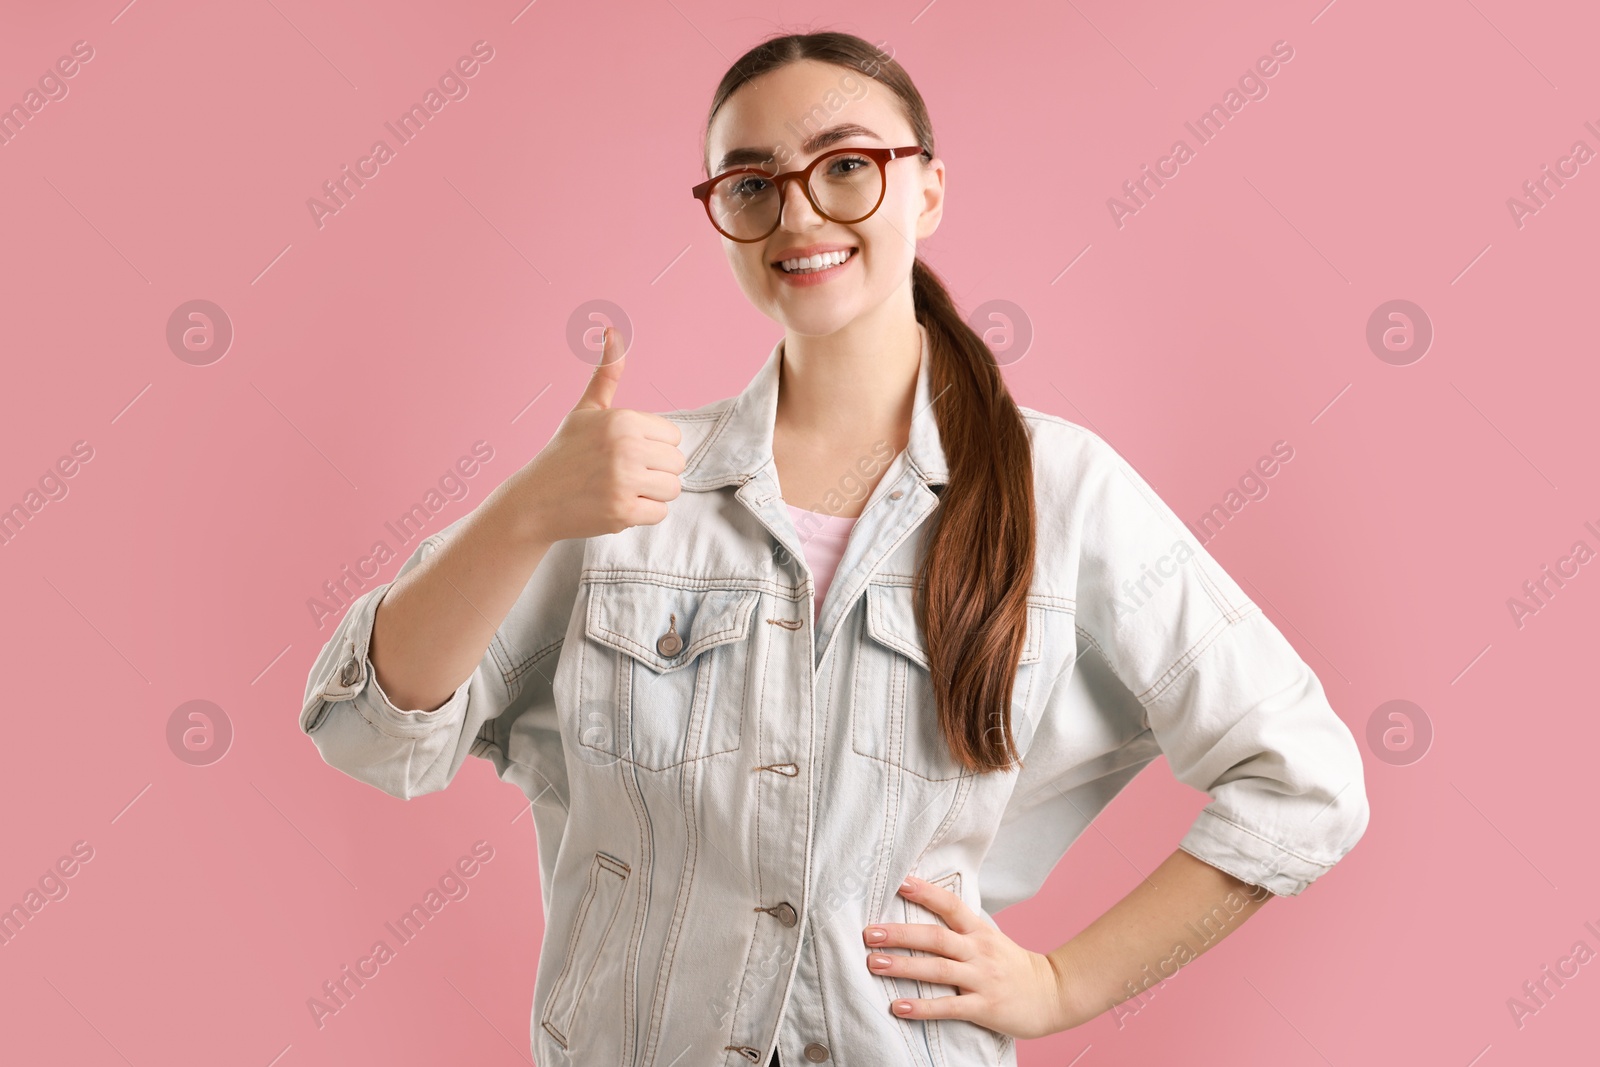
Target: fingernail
{"x": 908, "y": 883}
{"x": 901, "y": 1007}
{"x": 877, "y": 961}
{"x": 875, "y": 934}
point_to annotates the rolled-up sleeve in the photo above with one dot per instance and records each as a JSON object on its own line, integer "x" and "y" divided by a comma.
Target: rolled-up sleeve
{"x": 1235, "y": 709}
{"x": 407, "y": 753}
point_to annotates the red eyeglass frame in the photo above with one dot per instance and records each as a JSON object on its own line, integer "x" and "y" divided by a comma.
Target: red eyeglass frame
{"x": 880, "y": 156}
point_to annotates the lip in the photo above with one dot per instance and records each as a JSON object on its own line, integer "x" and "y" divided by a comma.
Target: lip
{"x": 809, "y": 250}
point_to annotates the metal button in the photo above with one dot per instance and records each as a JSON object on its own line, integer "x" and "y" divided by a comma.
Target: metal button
{"x": 351, "y": 672}
{"x": 816, "y": 1052}
{"x": 670, "y": 644}
{"x": 785, "y": 914}
{"x": 896, "y": 495}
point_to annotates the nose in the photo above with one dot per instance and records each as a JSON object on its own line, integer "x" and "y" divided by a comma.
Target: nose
{"x": 795, "y": 211}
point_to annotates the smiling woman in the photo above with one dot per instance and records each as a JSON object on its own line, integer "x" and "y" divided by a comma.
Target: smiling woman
{"x": 729, "y": 773}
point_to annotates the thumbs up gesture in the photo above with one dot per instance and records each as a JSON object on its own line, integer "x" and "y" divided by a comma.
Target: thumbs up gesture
{"x": 605, "y": 469}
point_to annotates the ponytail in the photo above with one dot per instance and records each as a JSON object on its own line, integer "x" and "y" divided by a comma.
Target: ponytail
{"x": 975, "y": 574}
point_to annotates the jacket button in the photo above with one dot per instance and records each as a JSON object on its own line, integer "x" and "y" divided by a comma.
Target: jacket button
{"x": 896, "y": 495}
{"x": 670, "y": 644}
{"x": 351, "y": 671}
{"x": 785, "y": 914}
{"x": 816, "y": 1052}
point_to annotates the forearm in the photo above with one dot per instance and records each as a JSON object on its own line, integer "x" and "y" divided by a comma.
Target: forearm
{"x": 1168, "y": 920}
{"x": 434, "y": 623}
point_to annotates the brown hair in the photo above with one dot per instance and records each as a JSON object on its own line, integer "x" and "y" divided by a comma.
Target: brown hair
{"x": 974, "y": 577}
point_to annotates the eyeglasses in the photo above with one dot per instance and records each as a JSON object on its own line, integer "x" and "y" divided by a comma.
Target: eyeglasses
{"x": 744, "y": 204}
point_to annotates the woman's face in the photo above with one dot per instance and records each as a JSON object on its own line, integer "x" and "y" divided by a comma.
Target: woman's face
{"x": 776, "y": 114}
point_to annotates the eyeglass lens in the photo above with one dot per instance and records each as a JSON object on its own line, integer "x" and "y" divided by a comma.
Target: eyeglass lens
{"x": 845, "y": 185}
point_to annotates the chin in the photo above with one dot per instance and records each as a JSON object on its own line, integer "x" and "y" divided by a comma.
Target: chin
{"x": 815, "y": 322}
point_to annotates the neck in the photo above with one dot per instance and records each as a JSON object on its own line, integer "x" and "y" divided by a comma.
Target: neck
{"x": 851, "y": 387}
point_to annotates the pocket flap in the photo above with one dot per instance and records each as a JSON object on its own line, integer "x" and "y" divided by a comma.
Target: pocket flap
{"x": 633, "y": 617}
{"x": 891, "y": 620}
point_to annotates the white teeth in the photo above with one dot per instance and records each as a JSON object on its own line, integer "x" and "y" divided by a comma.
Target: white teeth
{"x": 807, "y": 264}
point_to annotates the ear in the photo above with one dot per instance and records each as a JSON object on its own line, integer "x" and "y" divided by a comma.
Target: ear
{"x": 932, "y": 198}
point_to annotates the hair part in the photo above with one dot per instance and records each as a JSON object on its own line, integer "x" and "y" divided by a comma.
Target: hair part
{"x": 977, "y": 565}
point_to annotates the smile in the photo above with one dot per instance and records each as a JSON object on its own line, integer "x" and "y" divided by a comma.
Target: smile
{"x": 817, "y": 264}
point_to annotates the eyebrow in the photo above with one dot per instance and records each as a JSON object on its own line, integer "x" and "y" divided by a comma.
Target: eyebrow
{"x": 815, "y": 143}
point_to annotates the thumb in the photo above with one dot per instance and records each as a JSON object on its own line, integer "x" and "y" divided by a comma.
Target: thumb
{"x": 603, "y": 383}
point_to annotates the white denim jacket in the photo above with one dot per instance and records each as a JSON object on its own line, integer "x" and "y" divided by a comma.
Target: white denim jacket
{"x": 725, "y": 793}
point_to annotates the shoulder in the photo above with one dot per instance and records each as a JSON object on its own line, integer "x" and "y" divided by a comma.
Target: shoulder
{"x": 1067, "y": 456}
{"x": 1088, "y": 497}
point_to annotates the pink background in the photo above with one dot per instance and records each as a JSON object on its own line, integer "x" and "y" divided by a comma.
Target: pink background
{"x": 1227, "y": 314}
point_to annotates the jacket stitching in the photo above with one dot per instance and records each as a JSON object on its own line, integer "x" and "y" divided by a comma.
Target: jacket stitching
{"x": 1281, "y": 848}
{"x": 761, "y": 784}
{"x": 1204, "y": 641}
{"x": 666, "y": 967}
{"x": 548, "y": 1022}
{"x": 667, "y": 579}
{"x": 699, "y": 645}
{"x": 952, "y": 882}
{"x": 647, "y": 868}
{"x": 600, "y": 943}
{"x": 514, "y": 679}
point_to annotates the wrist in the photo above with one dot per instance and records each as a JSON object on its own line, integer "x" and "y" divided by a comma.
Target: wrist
{"x": 521, "y": 522}
{"x": 1072, "y": 987}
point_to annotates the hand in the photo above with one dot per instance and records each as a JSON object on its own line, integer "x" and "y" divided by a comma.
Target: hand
{"x": 605, "y": 469}
{"x": 1001, "y": 985}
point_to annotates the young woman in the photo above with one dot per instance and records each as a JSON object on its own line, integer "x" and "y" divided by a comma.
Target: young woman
{"x": 805, "y": 684}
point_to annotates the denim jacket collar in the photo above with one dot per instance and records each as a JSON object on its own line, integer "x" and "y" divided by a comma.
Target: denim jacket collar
{"x": 739, "y": 444}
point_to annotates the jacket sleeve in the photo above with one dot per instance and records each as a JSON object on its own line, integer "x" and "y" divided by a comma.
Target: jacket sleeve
{"x": 407, "y": 753}
{"x": 1237, "y": 712}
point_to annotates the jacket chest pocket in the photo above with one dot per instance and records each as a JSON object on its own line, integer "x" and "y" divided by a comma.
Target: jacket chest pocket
{"x": 664, "y": 671}
{"x": 893, "y": 718}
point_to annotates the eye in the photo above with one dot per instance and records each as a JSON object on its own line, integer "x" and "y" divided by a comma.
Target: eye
{"x": 846, "y": 165}
{"x": 747, "y": 186}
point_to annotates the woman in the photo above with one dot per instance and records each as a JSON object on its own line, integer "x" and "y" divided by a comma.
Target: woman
{"x": 758, "y": 663}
